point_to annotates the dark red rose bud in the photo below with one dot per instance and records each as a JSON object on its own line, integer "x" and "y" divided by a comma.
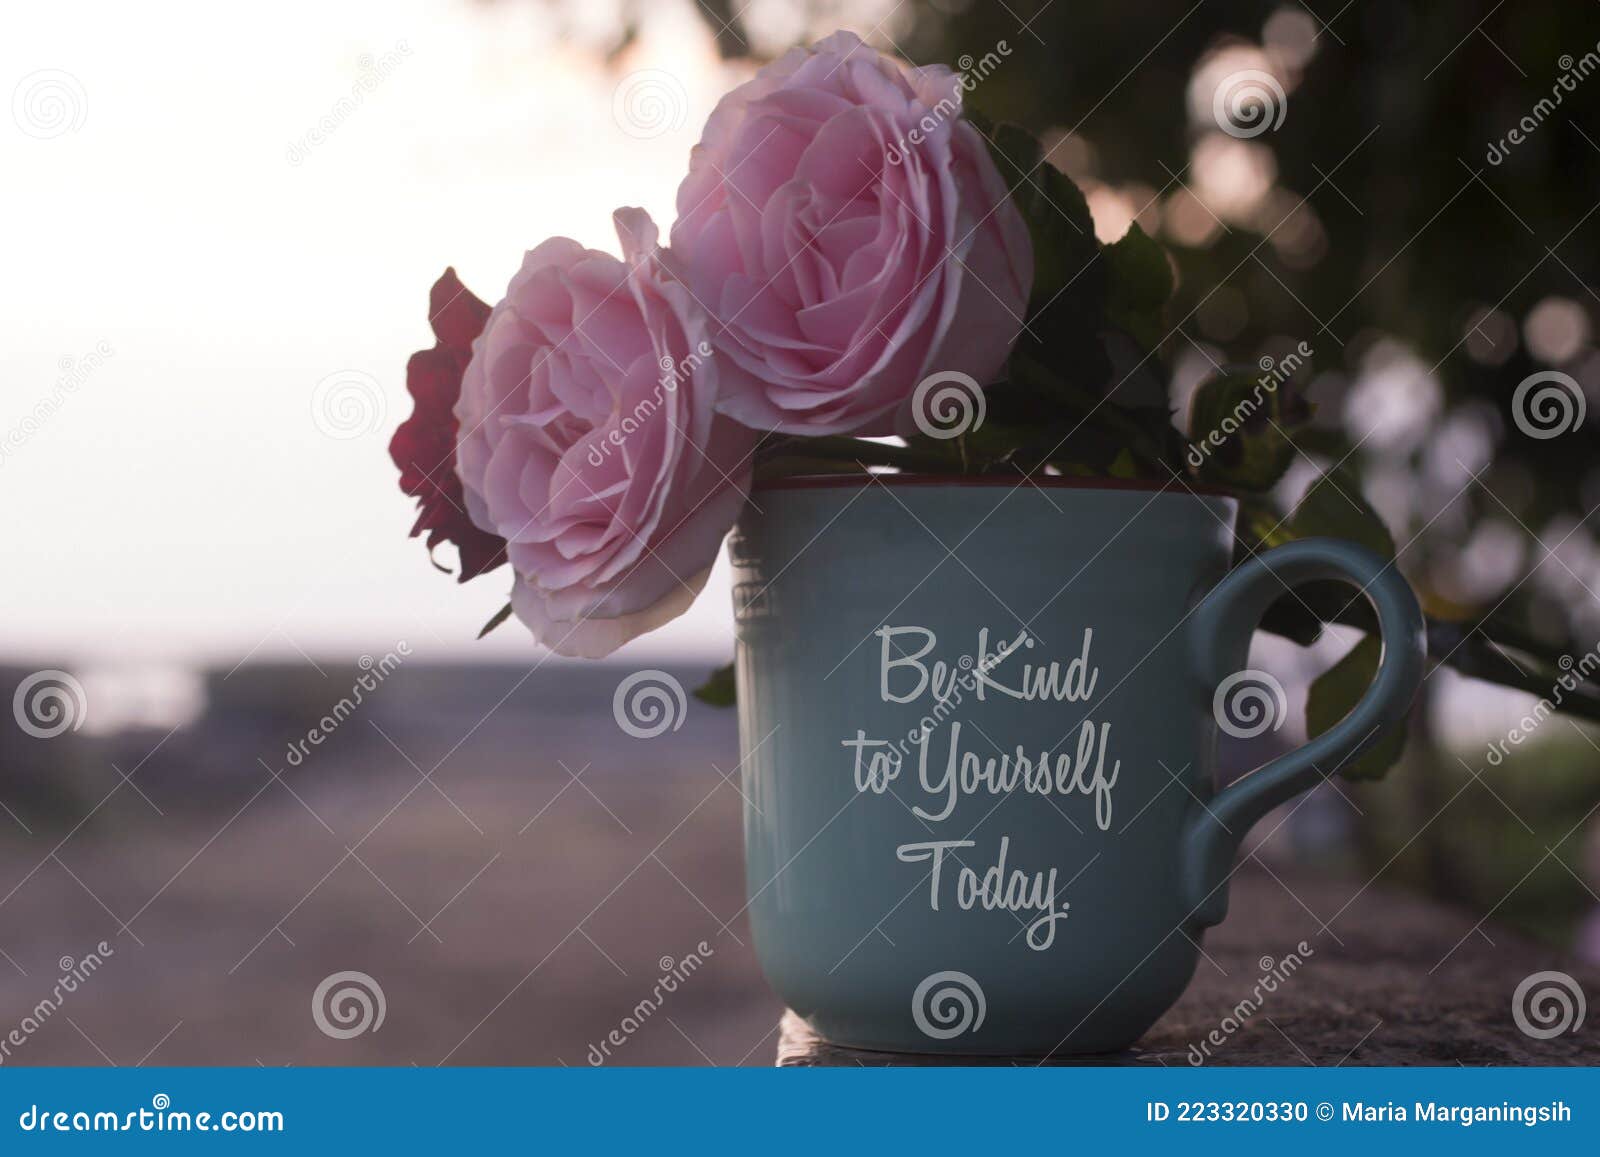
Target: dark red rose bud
{"x": 424, "y": 447}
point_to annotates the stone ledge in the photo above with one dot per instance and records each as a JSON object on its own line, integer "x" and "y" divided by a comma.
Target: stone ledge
{"x": 1395, "y": 980}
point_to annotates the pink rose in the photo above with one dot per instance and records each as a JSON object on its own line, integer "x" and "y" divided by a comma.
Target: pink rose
{"x": 424, "y": 446}
{"x": 590, "y": 443}
{"x": 850, "y": 234}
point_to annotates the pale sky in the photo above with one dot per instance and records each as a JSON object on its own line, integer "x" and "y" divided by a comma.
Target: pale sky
{"x": 182, "y": 504}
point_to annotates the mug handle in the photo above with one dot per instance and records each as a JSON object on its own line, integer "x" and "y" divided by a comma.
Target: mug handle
{"x": 1219, "y": 645}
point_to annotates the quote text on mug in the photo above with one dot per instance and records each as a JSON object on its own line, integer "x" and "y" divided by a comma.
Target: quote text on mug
{"x": 950, "y": 765}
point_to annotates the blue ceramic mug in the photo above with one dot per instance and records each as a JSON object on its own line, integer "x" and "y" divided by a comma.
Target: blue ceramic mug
{"x": 978, "y": 725}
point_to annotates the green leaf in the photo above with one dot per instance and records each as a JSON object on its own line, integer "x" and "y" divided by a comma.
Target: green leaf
{"x": 1066, "y": 314}
{"x": 499, "y": 617}
{"x": 1066, "y": 253}
{"x": 1260, "y": 527}
{"x": 1332, "y": 696}
{"x": 719, "y": 689}
{"x": 1140, "y": 284}
{"x": 994, "y": 443}
{"x": 1240, "y": 431}
{"x": 1294, "y": 615}
{"x": 1124, "y": 465}
{"x": 1094, "y": 316}
{"x": 1290, "y": 617}
{"x": 790, "y": 466}
{"x": 1334, "y": 507}
{"x": 1115, "y": 426}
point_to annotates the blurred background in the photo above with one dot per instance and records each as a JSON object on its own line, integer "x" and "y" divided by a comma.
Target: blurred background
{"x": 220, "y": 232}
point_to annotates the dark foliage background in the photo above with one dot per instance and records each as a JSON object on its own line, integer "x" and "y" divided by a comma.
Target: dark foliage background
{"x": 1432, "y": 262}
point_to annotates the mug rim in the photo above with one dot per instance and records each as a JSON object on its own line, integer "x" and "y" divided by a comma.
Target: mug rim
{"x": 1176, "y": 487}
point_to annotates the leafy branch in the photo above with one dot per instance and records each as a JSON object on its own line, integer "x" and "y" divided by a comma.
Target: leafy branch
{"x": 1084, "y": 394}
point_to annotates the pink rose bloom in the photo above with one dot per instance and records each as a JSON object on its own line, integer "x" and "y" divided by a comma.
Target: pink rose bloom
{"x": 851, "y": 235}
{"x": 590, "y": 443}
